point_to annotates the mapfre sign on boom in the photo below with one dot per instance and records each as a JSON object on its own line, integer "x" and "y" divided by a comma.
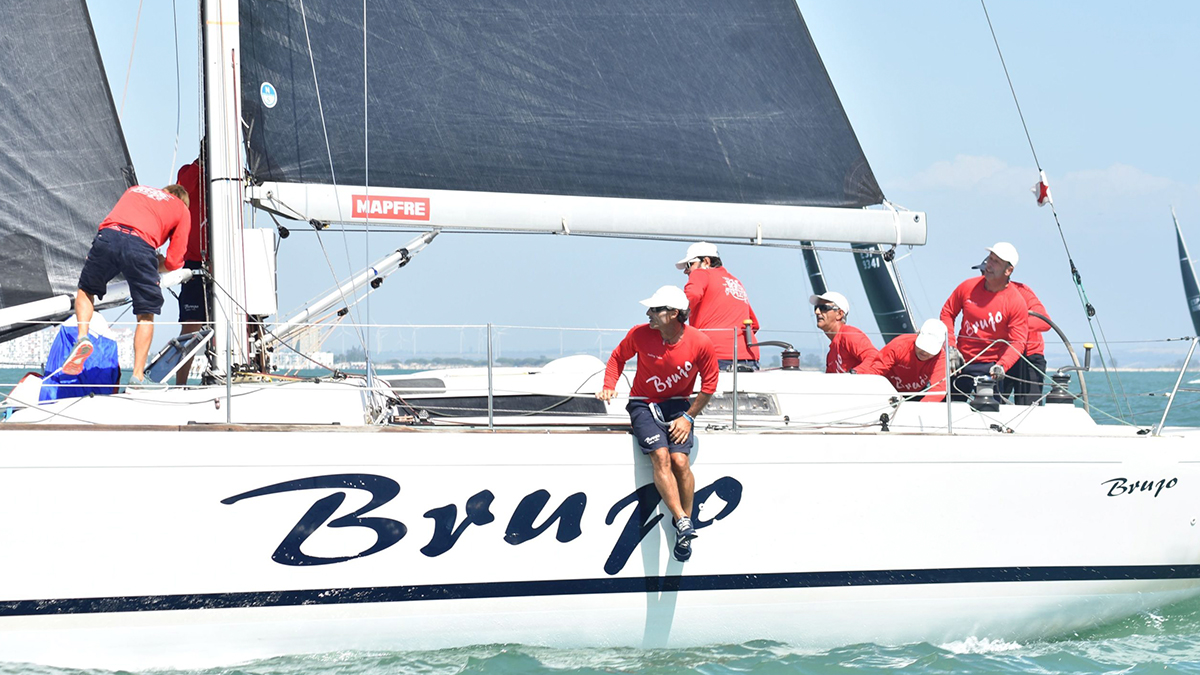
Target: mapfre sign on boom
{"x": 391, "y": 208}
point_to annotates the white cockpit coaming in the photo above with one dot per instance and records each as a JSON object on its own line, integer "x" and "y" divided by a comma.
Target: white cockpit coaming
{"x": 560, "y": 395}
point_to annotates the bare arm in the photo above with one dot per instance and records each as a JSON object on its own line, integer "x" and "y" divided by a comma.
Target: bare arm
{"x": 681, "y": 426}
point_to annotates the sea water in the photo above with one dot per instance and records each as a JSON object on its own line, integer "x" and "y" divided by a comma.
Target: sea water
{"x": 1163, "y": 641}
{"x": 1166, "y": 641}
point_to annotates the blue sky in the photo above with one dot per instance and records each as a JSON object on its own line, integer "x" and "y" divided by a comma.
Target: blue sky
{"x": 1108, "y": 90}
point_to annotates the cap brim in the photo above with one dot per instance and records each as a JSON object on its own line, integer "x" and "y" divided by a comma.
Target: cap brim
{"x": 682, "y": 264}
{"x": 928, "y": 343}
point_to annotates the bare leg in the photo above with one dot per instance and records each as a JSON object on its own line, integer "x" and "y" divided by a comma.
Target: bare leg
{"x": 685, "y": 480}
{"x": 84, "y": 308}
{"x": 181, "y": 375}
{"x": 141, "y": 344}
{"x": 664, "y": 480}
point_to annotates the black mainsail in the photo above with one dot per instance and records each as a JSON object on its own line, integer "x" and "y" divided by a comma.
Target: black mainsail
{"x": 721, "y": 101}
{"x": 63, "y": 160}
{"x": 1190, "y": 288}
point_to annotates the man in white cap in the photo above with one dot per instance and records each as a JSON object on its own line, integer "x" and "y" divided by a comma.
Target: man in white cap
{"x": 849, "y": 347}
{"x": 994, "y": 323}
{"x": 719, "y": 305}
{"x": 914, "y": 362}
{"x": 670, "y": 355}
{"x": 1026, "y": 381}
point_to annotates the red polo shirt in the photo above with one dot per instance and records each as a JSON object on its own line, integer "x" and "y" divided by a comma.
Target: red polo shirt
{"x": 987, "y": 317}
{"x": 849, "y": 348}
{"x": 898, "y": 362}
{"x": 664, "y": 370}
{"x": 191, "y": 178}
{"x": 718, "y": 305}
{"x": 1036, "y": 344}
{"x": 154, "y": 216}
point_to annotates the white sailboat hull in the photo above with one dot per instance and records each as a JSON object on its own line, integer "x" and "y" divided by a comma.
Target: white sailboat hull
{"x": 817, "y": 540}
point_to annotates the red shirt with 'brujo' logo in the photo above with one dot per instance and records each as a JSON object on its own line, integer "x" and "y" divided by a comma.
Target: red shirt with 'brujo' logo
{"x": 986, "y": 318}
{"x": 898, "y": 362}
{"x": 664, "y": 370}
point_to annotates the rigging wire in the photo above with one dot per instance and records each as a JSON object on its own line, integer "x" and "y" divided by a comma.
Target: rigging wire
{"x": 265, "y": 330}
{"x": 366, "y": 190}
{"x": 1089, "y": 309}
{"x": 332, "y": 173}
{"x": 129, "y": 69}
{"x": 178, "y": 103}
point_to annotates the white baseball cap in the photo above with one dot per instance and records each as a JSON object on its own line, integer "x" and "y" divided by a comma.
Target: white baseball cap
{"x": 698, "y": 250}
{"x": 932, "y": 336}
{"x": 832, "y": 297}
{"x": 667, "y": 296}
{"x": 1006, "y": 252}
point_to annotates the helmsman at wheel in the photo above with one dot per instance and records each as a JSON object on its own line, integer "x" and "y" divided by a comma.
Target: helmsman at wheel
{"x": 994, "y": 323}
{"x": 670, "y": 356}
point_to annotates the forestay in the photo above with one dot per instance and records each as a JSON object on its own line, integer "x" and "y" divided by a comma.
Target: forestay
{"x": 63, "y": 160}
{"x": 547, "y": 102}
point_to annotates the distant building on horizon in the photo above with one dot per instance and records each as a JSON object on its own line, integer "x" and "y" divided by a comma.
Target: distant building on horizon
{"x": 30, "y": 351}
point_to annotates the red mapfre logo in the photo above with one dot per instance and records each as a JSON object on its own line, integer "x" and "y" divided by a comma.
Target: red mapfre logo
{"x": 391, "y": 208}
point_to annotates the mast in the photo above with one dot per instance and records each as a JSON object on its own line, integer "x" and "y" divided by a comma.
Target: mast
{"x": 222, "y": 61}
{"x": 1190, "y": 288}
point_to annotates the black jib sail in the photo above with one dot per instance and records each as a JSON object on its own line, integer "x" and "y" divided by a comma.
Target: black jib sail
{"x": 882, "y": 286}
{"x": 1190, "y": 288}
{"x": 812, "y": 264}
{"x": 63, "y": 161}
{"x": 717, "y": 101}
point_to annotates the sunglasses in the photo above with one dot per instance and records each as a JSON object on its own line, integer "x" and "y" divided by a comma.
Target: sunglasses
{"x": 825, "y": 308}
{"x": 656, "y": 310}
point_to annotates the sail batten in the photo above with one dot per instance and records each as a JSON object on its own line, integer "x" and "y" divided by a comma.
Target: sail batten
{"x": 724, "y": 101}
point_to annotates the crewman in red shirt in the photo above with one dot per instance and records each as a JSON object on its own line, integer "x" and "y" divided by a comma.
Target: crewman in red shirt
{"x": 994, "y": 320}
{"x": 1027, "y": 379}
{"x": 193, "y": 295}
{"x": 143, "y": 220}
{"x": 849, "y": 347}
{"x": 914, "y": 362}
{"x": 670, "y": 355}
{"x": 718, "y": 305}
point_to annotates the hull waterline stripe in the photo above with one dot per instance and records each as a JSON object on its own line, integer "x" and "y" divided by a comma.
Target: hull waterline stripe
{"x": 517, "y": 589}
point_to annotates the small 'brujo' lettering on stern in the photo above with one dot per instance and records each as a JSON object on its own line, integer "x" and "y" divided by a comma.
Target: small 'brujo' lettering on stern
{"x": 1122, "y": 486}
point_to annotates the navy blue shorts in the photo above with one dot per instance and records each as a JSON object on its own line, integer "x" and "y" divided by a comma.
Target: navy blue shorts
{"x": 652, "y": 434}
{"x": 193, "y": 297}
{"x": 116, "y": 252}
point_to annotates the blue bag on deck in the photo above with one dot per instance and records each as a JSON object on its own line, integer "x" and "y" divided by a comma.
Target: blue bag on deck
{"x": 102, "y": 369}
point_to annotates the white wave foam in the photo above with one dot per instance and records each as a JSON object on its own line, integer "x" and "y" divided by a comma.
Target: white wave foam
{"x": 974, "y": 645}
